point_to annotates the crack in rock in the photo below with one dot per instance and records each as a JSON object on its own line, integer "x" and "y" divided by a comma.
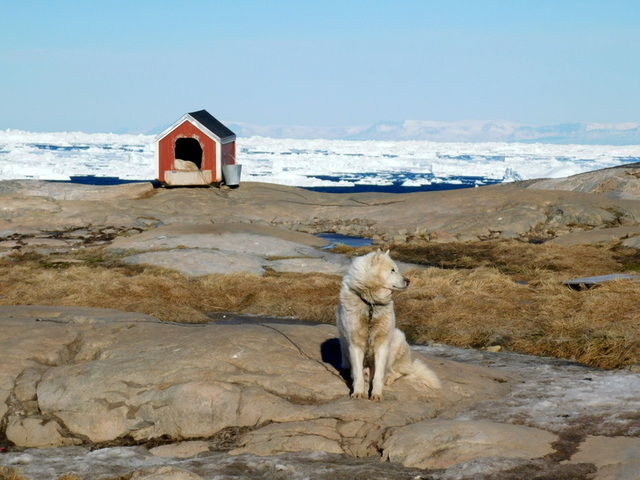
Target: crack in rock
{"x": 302, "y": 352}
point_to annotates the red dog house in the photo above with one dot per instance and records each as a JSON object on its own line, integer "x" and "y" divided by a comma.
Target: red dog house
{"x": 197, "y": 150}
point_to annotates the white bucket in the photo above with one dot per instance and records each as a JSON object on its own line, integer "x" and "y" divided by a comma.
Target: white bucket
{"x": 231, "y": 174}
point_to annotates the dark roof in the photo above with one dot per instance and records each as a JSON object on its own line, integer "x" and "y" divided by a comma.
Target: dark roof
{"x": 212, "y": 124}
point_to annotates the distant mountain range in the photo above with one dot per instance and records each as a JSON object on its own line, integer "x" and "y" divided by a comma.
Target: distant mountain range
{"x": 466, "y": 131}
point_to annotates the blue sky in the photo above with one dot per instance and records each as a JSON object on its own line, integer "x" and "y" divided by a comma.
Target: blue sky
{"x": 111, "y": 65}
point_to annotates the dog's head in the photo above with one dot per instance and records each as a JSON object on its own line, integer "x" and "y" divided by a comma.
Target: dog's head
{"x": 388, "y": 272}
{"x": 377, "y": 274}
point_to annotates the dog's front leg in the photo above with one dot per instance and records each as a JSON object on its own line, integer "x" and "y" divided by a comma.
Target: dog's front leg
{"x": 356, "y": 355}
{"x": 381, "y": 356}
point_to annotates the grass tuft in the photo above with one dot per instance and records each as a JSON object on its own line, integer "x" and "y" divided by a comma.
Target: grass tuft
{"x": 7, "y": 473}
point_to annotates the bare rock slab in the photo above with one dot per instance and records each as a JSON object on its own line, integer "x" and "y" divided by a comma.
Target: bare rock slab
{"x": 165, "y": 473}
{"x": 617, "y": 458}
{"x": 100, "y": 376}
{"x": 598, "y": 279}
{"x": 230, "y": 247}
{"x": 181, "y": 449}
{"x": 629, "y": 236}
{"x": 448, "y": 442}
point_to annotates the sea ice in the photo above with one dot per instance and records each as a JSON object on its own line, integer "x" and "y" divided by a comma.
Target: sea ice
{"x": 308, "y": 163}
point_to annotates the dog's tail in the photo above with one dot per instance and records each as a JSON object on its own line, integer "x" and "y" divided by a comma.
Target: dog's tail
{"x": 424, "y": 375}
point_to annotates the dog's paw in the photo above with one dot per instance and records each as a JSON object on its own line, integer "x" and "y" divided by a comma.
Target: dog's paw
{"x": 392, "y": 377}
{"x": 376, "y": 397}
{"x": 358, "y": 395}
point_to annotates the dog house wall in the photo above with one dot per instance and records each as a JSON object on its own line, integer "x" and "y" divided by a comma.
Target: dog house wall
{"x": 216, "y": 150}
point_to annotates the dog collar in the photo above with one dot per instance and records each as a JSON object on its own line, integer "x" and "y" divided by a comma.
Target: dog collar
{"x": 370, "y": 304}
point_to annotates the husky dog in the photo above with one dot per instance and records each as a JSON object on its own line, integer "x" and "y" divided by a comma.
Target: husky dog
{"x": 369, "y": 339}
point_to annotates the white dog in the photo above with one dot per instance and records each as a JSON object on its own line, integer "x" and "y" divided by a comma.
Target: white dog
{"x": 366, "y": 323}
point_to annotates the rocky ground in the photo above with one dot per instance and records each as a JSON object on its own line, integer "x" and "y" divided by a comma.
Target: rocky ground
{"x": 259, "y": 222}
{"x": 80, "y": 378}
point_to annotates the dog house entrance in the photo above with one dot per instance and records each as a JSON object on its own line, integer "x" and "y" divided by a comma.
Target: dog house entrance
{"x": 189, "y": 149}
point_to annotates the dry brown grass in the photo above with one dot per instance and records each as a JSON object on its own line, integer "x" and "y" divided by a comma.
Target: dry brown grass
{"x": 512, "y": 294}
{"x": 7, "y": 473}
{"x": 163, "y": 293}
{"x": 482, "y": 307}
{"x": 523, "y": 261}
{"x": 474, "y": 295}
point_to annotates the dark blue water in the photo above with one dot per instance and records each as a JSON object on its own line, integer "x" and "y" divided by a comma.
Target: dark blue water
{"x": 336, "y": 238}
{"x": 79, "y": 148}
{"x": 103, "y": 181}
{"x": 396, "y": 186}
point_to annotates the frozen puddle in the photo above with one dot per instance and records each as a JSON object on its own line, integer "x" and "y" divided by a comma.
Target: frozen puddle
{"x": 556, "y": 394}
{"x": 110, "y": 463}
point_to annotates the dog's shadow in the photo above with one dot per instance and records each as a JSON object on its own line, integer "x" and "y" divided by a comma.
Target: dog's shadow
{"x": 331, "y": 354}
